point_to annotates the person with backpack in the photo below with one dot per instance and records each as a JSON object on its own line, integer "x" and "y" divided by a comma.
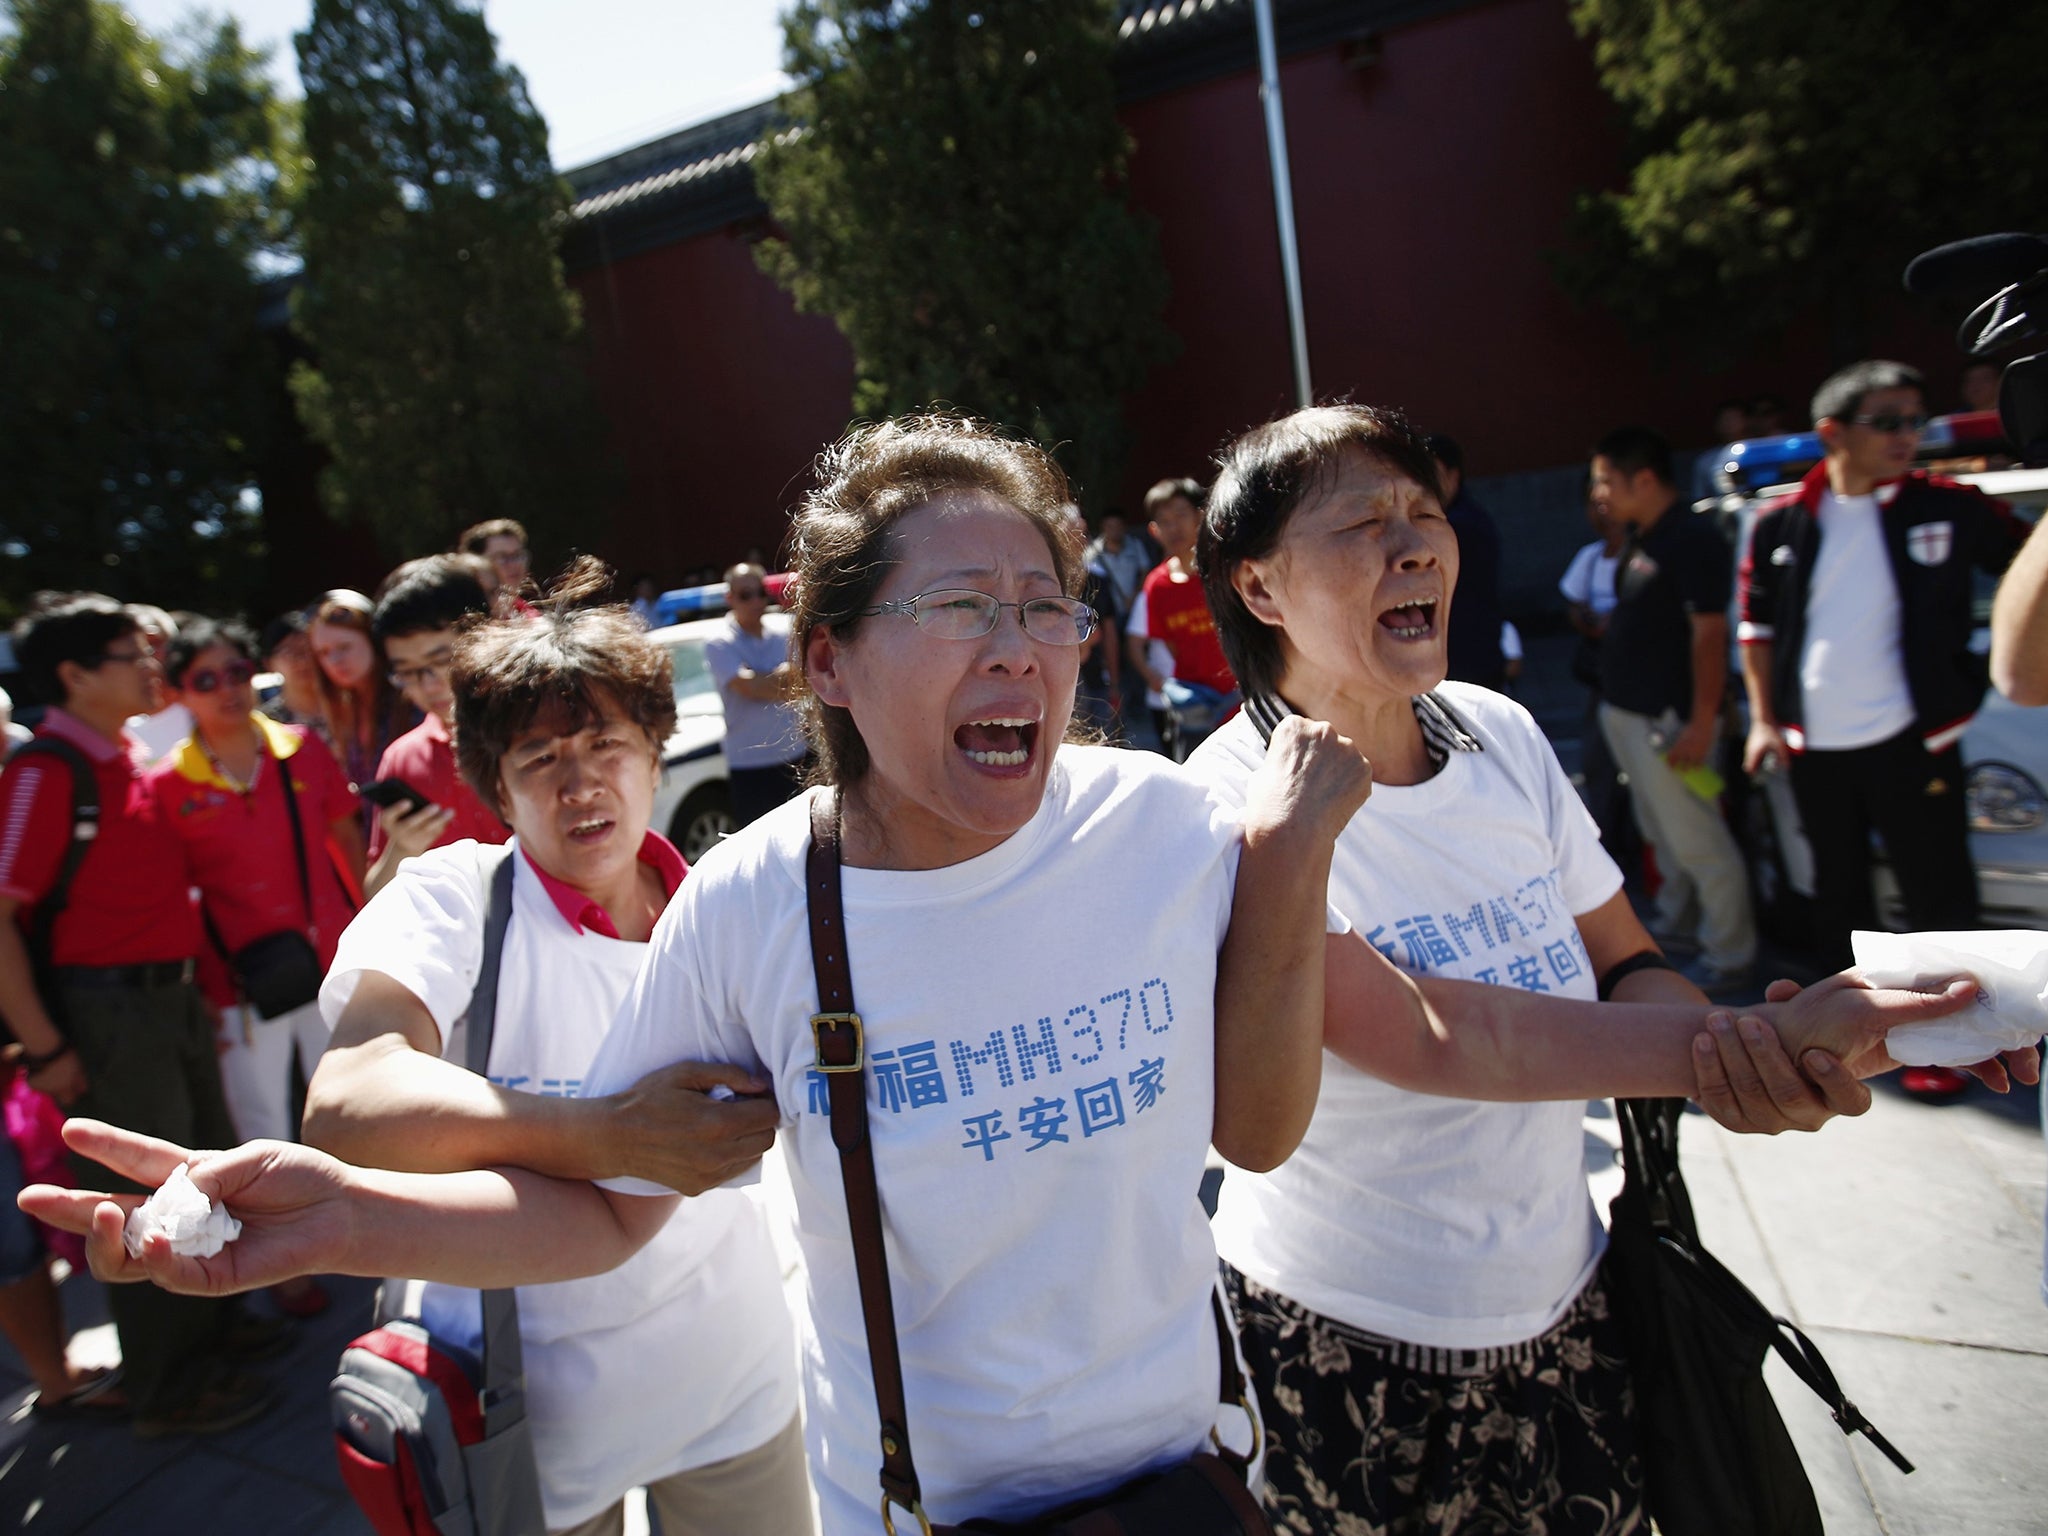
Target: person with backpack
{"x": 676, "y": 1371}
{"x": 98, "y": 938}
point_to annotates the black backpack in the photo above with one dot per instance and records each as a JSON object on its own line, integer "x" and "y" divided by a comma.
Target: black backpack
{"x": 85, "y": 828}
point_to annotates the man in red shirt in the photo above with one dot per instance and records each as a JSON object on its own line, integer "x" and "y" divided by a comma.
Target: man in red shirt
{"x": 1193, "y": 695}
{"x": 115, "y": 1029}
{"x": 418, "y": 618}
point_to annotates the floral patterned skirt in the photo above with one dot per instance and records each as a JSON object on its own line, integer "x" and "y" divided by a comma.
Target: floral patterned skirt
{"x": 1368, "y": 1436}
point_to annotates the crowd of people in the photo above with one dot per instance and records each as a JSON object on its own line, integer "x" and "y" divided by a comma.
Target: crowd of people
{"x": 1369, "y": 946}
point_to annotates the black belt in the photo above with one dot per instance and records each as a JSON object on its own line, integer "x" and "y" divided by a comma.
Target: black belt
{"x": 150, "y": 973}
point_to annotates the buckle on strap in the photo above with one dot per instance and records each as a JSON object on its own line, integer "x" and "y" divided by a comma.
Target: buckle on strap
{"x": 924, "y": 1524}
{"x": 824, "y": 1027}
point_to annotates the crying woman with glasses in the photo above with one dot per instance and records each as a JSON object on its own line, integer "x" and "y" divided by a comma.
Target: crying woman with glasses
{"x": 1074, "y": 969}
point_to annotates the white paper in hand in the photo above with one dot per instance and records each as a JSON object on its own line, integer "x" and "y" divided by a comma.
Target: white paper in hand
{"x": 2011, "y": 1011}
{"x": 197, "y": 1228}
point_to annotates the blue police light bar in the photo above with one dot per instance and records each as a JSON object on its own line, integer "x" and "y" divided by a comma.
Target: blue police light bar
{"x": 1769, "y": 460}
{"x": 689, "y": 603}
{"x": 1765, "y": 460}
{"x": 707, "y": 601}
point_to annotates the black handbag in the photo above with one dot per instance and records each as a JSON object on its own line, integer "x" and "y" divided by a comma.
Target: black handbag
{"x": 1717, "y": 1459}
{"x": 279, "y": 971}
{"x": 1206, "y": 1495}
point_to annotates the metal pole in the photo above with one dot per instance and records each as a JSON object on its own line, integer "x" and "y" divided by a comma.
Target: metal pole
{"x": 1283, "y": 196}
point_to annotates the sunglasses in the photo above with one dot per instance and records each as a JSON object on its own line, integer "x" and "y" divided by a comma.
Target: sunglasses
{"x": 745, "y": 594}
{"x": 1892, "y": 421}
{"x": 208, "y": 679}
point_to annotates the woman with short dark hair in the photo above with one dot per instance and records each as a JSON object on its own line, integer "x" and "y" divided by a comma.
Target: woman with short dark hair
{"x": 674, "y": 1370}
{"x": 1418, "y": 1286}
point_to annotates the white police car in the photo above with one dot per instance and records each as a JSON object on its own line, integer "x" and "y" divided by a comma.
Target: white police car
{"x": 693, "y": 805}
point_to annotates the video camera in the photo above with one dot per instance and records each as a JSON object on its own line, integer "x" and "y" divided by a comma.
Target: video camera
{"x": 2014, "y": 268}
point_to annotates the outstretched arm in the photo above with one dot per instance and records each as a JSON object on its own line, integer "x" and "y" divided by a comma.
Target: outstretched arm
{"x": 383, "y": 1097}
{"x": 1461, "y": 1039}
{"x": 1269, "y": 975}
{"x": 304, "y": 1212}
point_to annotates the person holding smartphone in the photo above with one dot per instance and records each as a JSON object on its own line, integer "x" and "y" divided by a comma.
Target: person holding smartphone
{"x": 421, "y": 798}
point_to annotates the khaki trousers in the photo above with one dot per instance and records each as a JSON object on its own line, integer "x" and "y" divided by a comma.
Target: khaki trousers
{"x": 762, "y": 1492}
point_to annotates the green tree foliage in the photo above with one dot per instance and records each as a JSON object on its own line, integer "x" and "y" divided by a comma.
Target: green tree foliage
{"x": 446, "y": 379}
{"x": 1788, "y": 156}
{"x": 135, "y": 191}
{"x": 950, "y": 193}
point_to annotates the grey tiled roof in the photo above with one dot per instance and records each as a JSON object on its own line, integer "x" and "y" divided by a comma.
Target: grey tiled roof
{"x": 699, "y": 178}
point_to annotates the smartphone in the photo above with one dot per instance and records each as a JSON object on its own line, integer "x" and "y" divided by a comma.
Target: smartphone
{"x": 390, "y": 792}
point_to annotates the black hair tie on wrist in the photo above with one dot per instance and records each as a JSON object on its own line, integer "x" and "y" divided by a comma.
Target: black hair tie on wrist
{"x": 1641, "y": 960}
{"x": 36, "y": 1064}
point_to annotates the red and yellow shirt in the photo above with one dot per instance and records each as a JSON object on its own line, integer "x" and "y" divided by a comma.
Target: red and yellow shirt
{"x": 240, "y": 845}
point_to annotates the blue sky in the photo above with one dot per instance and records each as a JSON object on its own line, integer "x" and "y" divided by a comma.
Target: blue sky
{"x": 605, "y": 74}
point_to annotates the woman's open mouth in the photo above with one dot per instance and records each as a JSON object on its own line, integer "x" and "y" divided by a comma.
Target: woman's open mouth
{"x": 1412, "y": 620}
{"x": 1002, "y": 741}
{"x": 590, "y": 830}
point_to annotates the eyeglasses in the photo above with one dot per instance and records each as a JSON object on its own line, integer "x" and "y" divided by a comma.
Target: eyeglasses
{"x": 433, "y": 671}
{"x": 207, "y": 679}
{"x": 955, "y": 613}
{"x": 1892, "y": 421}
{"x": 140, "y": 657}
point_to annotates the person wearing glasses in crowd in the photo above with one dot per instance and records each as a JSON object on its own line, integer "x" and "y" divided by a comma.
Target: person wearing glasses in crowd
{"x": 1856, "y": 622}
{"x": 421, "y": 611}
{"x": 1014, "y": 1062}
{"x": 757, "y": 685}
{"x": 223, "y": 792}
{"x": 107, "y": 1017}
{"x": 501, "y": 543}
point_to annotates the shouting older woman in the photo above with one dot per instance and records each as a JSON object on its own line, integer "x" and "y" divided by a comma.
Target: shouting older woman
{"x": 1418, "y": 1284}
{"x": 1073, "y": 971}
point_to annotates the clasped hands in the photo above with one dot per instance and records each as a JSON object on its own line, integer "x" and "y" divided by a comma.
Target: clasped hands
{"x": 1835, "y": 1031}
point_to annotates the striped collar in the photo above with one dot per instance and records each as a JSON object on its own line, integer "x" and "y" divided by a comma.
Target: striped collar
{"x": 1442, "y": 731}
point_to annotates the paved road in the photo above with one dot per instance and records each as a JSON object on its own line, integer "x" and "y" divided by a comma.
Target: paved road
{"x": 1907, "y": 1243}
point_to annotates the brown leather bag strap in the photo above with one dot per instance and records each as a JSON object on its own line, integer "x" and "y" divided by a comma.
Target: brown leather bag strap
{"x": 842, "y": 1058}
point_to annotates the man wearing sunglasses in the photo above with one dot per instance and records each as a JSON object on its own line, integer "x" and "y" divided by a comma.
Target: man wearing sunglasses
{"x": 97, "y": 944}
{"x": 1856, "y": 620}
{"x": 749, "y": 660}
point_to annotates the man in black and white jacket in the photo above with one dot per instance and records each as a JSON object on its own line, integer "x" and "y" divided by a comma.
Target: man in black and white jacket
{"x": 1855, "y": 629}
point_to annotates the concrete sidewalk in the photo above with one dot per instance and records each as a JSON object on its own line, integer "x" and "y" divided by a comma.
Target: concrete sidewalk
{"x": 1907, "y": 1243}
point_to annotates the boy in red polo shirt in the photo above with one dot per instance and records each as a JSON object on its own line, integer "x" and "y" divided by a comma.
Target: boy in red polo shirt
{"x": 418, "y": 619}
{"x": 1194, "y": 695}
{"x": 115, "y": 1029}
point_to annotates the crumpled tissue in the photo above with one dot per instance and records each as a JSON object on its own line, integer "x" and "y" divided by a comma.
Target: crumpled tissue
{"x": 197, "y": 1228}
{"x": 2011, "y": 1011}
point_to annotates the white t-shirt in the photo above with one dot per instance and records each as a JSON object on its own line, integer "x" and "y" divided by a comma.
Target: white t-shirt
{"x": 1589, "y": 579}
{"x": 1040, "y": 1035}
{"x": 1157, "y": 655}
{"x": 1443, "y": 1222}
{"x": 1852, "y": 673}
{"x": 683, "y": 1355}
